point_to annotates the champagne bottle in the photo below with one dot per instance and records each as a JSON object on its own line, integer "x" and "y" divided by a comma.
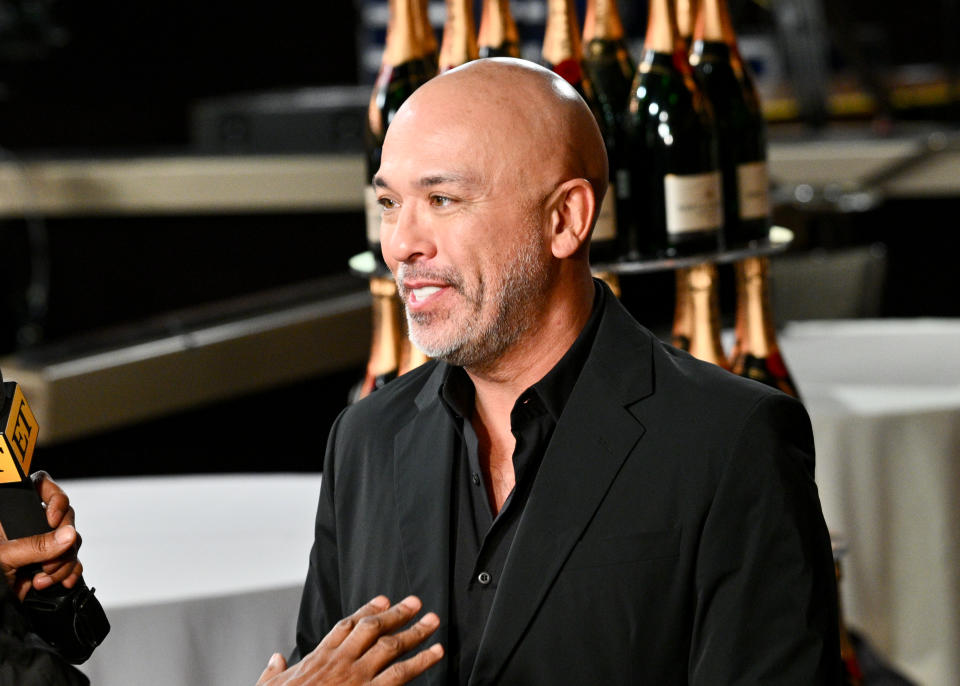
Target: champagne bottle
{"x": 610, "y": 69}
{"x": 411, "y": 356}
{"x": 728, "y": 84}
{"x": 686, "y": 16}
{"x": 459, "y": 44}
{"x": 682, "y": 317}
{"x": 498, "y": 35}
{"x": 426, "y": 35}
{"x": 404, "y": 67}
{"x": 697, "y": 319}
{"x": 384, "y": 361}
{"x": 756, "y": 354}
{"x": 561, "y": 51}
{"x": 675, "y": 179}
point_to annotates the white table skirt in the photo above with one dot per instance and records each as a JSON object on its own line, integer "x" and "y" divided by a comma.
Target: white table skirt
{"x": 884, "y": 399}
{"x": 200, "y": 576}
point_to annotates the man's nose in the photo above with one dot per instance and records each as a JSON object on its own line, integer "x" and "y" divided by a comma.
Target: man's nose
{"x": 407, "y": 239}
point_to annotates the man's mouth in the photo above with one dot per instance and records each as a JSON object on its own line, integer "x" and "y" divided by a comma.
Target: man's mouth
{"x": 424, "y": 292}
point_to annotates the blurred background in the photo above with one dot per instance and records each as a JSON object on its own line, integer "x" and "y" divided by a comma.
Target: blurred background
{"x": 181, "y": 193}
{"x": 175, "y": 168}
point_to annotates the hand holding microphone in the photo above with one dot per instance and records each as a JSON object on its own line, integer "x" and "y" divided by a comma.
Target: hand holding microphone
{"x": 39, "y": 550}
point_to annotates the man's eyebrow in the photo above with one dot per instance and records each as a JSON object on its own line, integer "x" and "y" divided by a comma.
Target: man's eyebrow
{"x": 438, "y": 179}
{"x": 380, "y": 182}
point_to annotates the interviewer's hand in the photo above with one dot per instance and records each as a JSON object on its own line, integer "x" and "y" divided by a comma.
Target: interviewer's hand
{"x": 361, "y": 649}
{"x": 55, "y": 551}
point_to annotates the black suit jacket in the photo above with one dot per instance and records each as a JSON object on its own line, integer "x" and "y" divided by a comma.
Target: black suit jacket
{"x": 673, "y": 534}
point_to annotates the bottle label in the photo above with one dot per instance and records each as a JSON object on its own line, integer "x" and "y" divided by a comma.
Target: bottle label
{"x": 694, "y": 202}
{"x": 753, "y": 189}
{"x": 372, "y": 209}
{"x": 606, "y": 227}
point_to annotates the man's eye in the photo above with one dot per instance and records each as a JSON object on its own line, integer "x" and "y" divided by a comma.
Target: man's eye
{"x": 440, "y": 200}
{"x": 386, "y": 203}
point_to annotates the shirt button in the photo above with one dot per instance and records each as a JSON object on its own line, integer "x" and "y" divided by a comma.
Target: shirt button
{"x": 483, "y": 578}
{"x": 476, "y": 479}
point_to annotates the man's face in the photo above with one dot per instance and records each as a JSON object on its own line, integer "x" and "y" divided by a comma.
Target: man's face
{"x": 463, "y": 235}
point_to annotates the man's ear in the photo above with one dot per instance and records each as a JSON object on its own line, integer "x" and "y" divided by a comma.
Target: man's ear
{"x": 571, "y": 217}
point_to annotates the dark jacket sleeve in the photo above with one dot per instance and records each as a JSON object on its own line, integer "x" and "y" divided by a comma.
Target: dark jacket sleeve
{"x": 320, "y": 604}
{"x": 766, "y": 605}
{"x": 25, "y": 659}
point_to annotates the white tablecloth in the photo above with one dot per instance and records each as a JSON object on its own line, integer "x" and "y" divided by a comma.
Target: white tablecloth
{"x": 884, "y": 399}
{"x": 200, "y": 576}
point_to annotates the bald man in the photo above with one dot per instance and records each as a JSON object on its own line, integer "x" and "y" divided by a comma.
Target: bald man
{"x": 573, "y": 501}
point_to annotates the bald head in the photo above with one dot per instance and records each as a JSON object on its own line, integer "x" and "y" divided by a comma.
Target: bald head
{"x": 490, "y": 182}
{"x": 526, "y": 119}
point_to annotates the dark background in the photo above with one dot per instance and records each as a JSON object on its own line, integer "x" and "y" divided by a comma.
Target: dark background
{"x": 110, "y": 78}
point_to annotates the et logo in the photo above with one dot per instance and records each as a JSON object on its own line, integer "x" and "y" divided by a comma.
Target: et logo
{"x": 18, "y": 439}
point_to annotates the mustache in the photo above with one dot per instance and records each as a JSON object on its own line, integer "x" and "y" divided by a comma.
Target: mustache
{"x": 448, "y": 276}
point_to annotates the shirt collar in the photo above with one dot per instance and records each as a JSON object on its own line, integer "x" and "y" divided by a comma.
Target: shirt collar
{"x": 553, "y": 390}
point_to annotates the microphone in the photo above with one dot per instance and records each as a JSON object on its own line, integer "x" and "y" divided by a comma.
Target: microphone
{"x": 69, "y": 619}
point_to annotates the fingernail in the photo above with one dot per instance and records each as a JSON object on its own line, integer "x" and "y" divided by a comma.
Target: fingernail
{"x": 412, "y": 602}
{"x": 430, "y": 620}
{"x": 42, "y": 581}
{"x": 65, "y": 534}
{"x": 275, "y": 660}
{"x": 381, "y": 601}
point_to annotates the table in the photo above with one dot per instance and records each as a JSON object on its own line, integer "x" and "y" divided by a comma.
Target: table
{"x": 200, "y": 576}
{"x": 884, "y": 399}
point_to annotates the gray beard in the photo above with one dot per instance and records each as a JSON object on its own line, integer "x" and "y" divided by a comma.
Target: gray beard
{"x": 518, "y": 297}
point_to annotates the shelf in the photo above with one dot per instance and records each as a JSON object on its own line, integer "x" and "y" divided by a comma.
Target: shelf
{"x": 126, "y": 377}
{"x": 364, "y": 264}
{"x": 778, "y": 241}
{"x": 181, "y": 184}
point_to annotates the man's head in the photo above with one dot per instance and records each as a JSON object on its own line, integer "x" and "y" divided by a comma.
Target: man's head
{"x": 490, "y": 181}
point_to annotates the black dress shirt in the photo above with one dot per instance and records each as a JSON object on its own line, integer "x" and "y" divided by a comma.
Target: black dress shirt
{"x": 482, "y": 539}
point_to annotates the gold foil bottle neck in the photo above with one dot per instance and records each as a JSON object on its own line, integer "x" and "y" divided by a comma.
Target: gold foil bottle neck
{"x": 704, "y": 304}
{"x": 711, "y": 18}
{"x": 411, "y": 356}
{"x": 754, "y": 322}
{"x": 497, "y": 27}
{"x": 602, "y": 21}
{"x": 459, "y": 44}
{"x": 387, "y": 333}
{"x": 403, "y": 42}
{"x": 561, "y": 38}
{"x": 682, "y": 315}
{"x": 426, "y": 37}
{"x": 686, "y": 18}
{"x": 661, "y": 35}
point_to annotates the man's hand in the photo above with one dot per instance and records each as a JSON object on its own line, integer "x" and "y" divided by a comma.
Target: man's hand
{"x": 361, "y": 649}
{"x": 55, "y": 551}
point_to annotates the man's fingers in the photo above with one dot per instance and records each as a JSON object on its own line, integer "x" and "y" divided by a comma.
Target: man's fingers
{"x": 407, "y": 670}
{"x": 56, "y": 501}
{"x": 276, "y": 665}
{"x": 342, "y": 629}
{"x": 389, "y": 647}
{"x": 370, "y": 629}
{"x": 66, "y": 572}
{"x": 37, "y": 549}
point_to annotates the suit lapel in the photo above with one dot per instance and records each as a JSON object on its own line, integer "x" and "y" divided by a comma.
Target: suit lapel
{"x": 593, "y": 438}
{"x": 424, "y": 452}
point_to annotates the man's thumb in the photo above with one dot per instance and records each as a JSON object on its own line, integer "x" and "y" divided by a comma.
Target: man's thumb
{"x": 40, "y": 548}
